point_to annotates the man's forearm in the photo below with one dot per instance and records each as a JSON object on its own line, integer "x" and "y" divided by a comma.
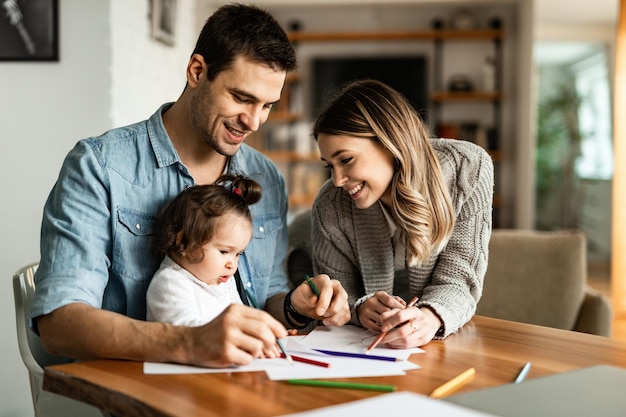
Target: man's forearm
{"x": 83, "y": 332}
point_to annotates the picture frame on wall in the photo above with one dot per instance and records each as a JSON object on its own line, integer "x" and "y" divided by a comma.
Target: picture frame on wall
{"x": 29, "y": 30}
{"x": 164, "y": 21}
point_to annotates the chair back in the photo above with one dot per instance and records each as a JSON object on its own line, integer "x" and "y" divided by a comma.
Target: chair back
{"x": 535, "y": 277}
{"x": 33, "y": 354}
{"x": 35, "y": 357}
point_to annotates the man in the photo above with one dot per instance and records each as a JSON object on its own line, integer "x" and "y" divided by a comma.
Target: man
{"x": 96, "y": 260}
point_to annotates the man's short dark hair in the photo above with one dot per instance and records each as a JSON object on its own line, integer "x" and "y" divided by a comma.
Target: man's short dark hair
{"x": 242, "y": 30}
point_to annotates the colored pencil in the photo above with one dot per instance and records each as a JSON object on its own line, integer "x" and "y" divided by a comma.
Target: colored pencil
{"x": 453, "y": 384}
{"x": 339, "y": 384}
{"x": 383, "y": 334}
{"x": 522, "y": 373}
{"x": 251, "y": 297}
{"x": 358, "y": 355}
{"x": 310, "y": 361}
{"x": 312, "y": 285}
{"x": 287, "y": 356}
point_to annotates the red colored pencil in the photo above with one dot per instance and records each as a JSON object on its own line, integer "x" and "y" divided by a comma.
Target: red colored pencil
{"x": 310, "y": 361}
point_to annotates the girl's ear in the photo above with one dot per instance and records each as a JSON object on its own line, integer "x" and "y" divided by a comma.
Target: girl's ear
{"x": 179, "y": 237}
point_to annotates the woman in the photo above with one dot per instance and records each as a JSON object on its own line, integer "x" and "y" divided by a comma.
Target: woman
{"x": 402, "y": 216}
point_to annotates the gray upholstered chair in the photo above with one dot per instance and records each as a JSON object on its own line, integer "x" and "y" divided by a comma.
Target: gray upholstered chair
{"x": 533, "y": 277}
{"x": 540, "y": 278}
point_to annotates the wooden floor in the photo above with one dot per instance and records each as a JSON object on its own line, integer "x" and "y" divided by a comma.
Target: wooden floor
{"x": 599, "y": 278}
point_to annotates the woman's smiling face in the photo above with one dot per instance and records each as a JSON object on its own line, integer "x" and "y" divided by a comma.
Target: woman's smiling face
{"x": 361, "y": 166}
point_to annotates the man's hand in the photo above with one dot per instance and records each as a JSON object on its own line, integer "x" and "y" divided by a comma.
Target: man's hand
{"x": 331, "y": 307}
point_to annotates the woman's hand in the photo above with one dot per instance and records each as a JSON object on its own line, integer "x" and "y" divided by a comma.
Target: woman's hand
{"x": 370, "y": 311}
{"x": 411, "y": 327}
{"x": 406, "y": 327}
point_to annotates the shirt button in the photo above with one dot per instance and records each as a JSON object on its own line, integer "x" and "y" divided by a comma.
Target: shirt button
{"x": 248, "y": 284}
{"x": 138, "y": 226}
{"x": 261, "y": 229}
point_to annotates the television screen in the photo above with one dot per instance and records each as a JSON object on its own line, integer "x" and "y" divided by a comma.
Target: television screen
{"x": 407, "y": 74}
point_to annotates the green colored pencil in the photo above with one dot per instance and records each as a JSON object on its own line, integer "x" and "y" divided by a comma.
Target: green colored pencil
{"x": 251, "y": 297}
{"x": 338, "y": 384}
{"x": 312, "y": 285}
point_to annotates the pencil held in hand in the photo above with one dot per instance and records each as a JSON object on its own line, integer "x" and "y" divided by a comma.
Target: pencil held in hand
{"x": 382, "y": 335}
{"x": 283, "y": 350}
{"x": 312, "y": 285}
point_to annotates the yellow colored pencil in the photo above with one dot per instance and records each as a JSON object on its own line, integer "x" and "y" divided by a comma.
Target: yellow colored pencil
{"x": 453, "y": 384}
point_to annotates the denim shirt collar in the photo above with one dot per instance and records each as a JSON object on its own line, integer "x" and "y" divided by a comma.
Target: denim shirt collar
{"x": 164, "y": 150}
{"x": 162, "y": 145}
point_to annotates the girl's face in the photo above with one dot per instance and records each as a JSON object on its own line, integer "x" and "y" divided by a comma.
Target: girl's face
{"x": 222, "y": 252}
{"x": 362, "y": 167}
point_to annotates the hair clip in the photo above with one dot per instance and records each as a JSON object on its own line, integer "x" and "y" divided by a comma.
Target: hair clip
{"x": 237, "y": 191}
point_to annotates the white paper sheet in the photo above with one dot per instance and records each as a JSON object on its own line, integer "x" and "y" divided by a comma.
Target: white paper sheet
{"x": 405, "y": 403}
{"x": 344, "y": 339}
{"x": 351, "y": 339}
{"x": 280, "y": 369}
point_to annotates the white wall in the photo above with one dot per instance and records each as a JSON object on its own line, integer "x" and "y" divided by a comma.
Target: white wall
{"x": 45, "y": 108}
{"x": 110, "y": 73}
{"x": 146, "y": 72}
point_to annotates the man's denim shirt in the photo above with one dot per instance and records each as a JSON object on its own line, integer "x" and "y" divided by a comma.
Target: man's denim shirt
{"x": 96, "y": 244}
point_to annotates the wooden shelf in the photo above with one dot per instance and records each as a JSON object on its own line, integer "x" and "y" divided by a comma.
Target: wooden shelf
{"x": 396, "y": 36}
{"x": 292, "y": 156}
{"x": 293, "y": 78}
{"x": 496, "y": 156}
{"x": 301, "y": 200}
{"x": 441, "y": 96}
{"x": 281, "y": 116}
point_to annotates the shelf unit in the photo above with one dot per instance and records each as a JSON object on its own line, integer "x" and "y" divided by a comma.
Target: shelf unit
{"x": 285, "y": 114}
{"x": 489, "y": 138}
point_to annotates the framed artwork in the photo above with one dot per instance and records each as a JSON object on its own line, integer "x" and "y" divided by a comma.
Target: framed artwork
{"x": 29, "y": 30}
{"x": 164, "y": 21}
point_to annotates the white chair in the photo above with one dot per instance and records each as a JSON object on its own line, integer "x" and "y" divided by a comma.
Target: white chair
{"x": 35, "y": 357}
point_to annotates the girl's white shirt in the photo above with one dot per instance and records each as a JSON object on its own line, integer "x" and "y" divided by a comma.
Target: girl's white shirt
{"x": 177, "y": 297}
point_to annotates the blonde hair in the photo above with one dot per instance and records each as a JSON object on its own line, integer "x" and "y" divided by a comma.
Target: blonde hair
{"x": 421, "y": 204}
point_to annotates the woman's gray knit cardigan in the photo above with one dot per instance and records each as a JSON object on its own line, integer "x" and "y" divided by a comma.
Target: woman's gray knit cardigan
{"x": 354, "y": 247}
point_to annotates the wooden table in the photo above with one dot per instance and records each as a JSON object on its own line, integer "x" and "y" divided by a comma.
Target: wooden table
{"x": 496, "y": 348}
